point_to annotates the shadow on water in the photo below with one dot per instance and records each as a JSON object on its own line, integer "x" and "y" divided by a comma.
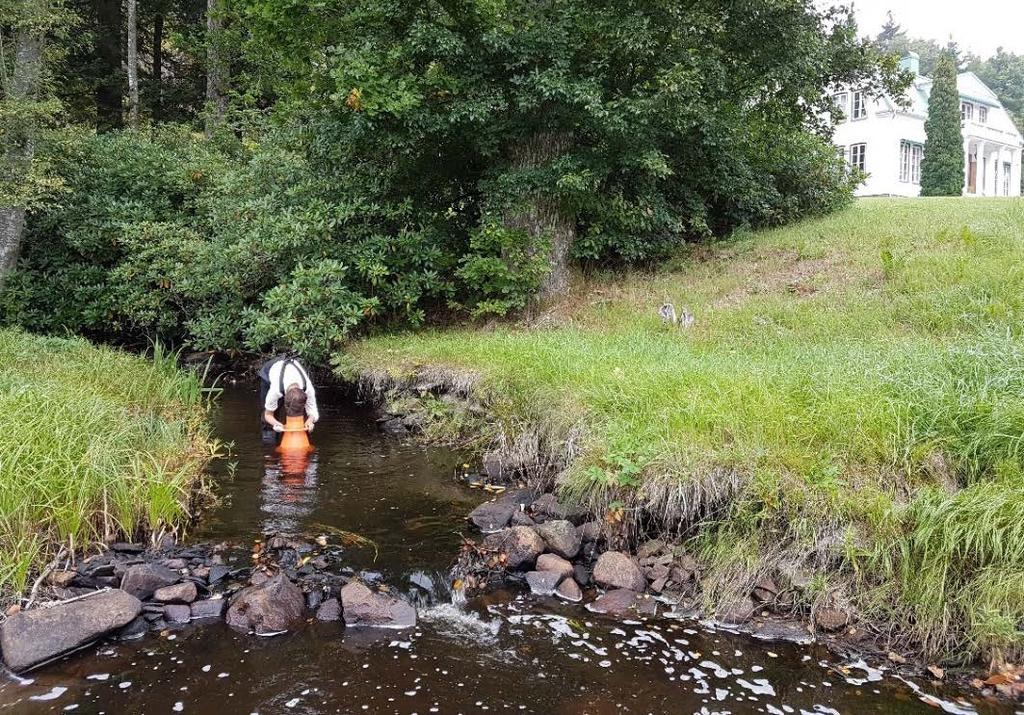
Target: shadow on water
{"x": 503, "y": 652}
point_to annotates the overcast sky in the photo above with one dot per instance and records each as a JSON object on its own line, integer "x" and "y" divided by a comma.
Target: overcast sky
{"x": 978, "y": 25}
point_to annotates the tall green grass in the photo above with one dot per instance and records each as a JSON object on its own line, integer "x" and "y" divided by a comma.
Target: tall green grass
{"x": 94, "y": 444}
{"x": 849, "y": 407}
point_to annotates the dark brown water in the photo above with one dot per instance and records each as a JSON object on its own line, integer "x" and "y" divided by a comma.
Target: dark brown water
{"x": 508, "y": 652}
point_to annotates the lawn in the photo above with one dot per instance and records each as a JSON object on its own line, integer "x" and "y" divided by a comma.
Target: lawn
{"x": 95, "y": 444}
{"x": 845, "y": 413}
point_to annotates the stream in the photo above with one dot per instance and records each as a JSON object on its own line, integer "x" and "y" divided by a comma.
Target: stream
{"x": 505, "y": 652}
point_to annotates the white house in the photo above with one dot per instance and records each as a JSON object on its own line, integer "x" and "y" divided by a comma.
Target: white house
{"x": 887, "y": 141}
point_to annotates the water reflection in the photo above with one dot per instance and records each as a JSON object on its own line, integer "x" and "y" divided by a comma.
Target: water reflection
{"x": 289, "y": 490}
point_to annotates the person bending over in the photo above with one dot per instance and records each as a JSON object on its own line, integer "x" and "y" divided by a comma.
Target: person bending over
{"x": 279, "y": 378}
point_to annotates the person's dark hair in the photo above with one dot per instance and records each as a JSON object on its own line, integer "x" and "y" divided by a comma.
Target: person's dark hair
{"x": 294, "y": 402}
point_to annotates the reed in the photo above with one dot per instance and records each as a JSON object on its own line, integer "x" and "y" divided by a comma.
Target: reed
{"x": 94, "y": 444}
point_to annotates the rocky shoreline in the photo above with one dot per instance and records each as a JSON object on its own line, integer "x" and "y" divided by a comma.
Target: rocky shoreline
{"x": 567, "y": 551}
{"x": 130, "y": 590}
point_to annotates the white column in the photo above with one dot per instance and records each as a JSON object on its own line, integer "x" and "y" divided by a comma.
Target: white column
{"x": 996, "y": 154}
{"x": 1015, "y": 158}
{"x": 982, "y": 169}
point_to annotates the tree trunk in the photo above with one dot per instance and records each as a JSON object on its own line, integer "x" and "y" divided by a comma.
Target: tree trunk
{"x": 216, "y": 78}
{"x": 542, "y": 217}
{"x": 158, "y": 67}
{"x": 132, "y": 59}
{"x": 19, "y": 139}
{"x": 109, "y": 93}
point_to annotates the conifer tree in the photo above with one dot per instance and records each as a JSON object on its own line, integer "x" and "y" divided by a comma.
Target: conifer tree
{"x": 942, "y": 169}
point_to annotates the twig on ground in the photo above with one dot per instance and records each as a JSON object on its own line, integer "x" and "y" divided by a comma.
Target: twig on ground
{"x": 42, "y": 576}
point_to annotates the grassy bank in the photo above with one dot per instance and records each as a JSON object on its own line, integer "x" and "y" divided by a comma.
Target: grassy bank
{"x": 846, "y": 413}
{"x": 93, "y": 443}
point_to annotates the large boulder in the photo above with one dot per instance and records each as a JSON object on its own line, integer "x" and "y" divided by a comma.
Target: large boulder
{"x": 615, "y": 569}
{"x": 142, "y": 580}
{"x": 274, "y": 605}
{"x": 520, "y": 546}
{"x": 32, "y": 637}
{"x": 363, "y": 607}
{"x": 561, "y": 537}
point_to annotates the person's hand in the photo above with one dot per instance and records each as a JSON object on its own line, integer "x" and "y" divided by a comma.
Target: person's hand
{"x": 279, "y": 427}
{"x": 309, "y": 425}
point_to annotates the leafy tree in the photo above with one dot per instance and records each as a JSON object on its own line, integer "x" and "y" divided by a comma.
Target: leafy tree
{"x": 1004, "y": 74}
{"x": 942, "y": 168}
{"x": 25, "y": 110}
{"x": 391, "y": 161}
{"x": 575, "y": 124}
{"x": 894, "y": 40}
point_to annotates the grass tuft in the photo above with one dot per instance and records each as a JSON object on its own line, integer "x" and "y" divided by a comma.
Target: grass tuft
{"x": 94, "y": 444}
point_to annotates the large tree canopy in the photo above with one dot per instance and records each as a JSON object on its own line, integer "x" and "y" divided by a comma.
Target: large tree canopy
{"x": 618, "y": 127}
{"x": 447, "y": 155}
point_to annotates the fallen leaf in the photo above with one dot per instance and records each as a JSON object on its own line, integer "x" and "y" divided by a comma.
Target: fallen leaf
{"x": 937, "y": 672}
{"x": 896, "y": 657}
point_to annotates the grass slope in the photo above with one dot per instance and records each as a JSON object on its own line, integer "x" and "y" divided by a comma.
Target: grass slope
{"x": 93, "y": 443}
{"x": 846, "y": 413}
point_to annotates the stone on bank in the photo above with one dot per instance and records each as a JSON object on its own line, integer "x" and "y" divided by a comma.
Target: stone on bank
{"x": 32, "y": 637}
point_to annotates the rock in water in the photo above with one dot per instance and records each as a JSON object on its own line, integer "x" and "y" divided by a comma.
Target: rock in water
{"x": 141, "y": 580}
{"x": 520, "y": 545}
{"x": 363, "y": 607}
{"x": 553, "y": 562}
{"x": 614, "y": 602}
{"x": 330, "y": 610}
{"x": 208, "y": 608}
{"x": 492, "y": 516}
{"x": 272, "y": 606}
{"x": 178, "y": 593}
{"x": 615, "y": 569}
{"x": 542, "y": 583}
{"x": 177, "y": 613}
{"x": 570, "y": 591}
{"x": 32, "y": 637}
{"x": 561, "y": 537}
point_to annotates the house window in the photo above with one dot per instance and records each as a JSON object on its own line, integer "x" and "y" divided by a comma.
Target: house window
{"x": 841, "y": 102}
{"x": 966, "y": 111}
{"x": 983, "y": 115}
{"x": 1007, "y": 170}
{"x": 858, "y": 153}
{"x": 910, "y": 162}
{"x": 860, "y": 107}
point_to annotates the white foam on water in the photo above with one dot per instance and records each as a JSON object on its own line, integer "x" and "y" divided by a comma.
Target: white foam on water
{"x": 55, "y": 692}
{"x": 455, "y": 622}
{"x": 760, "y": 686}
{"x": 936, "y": 702}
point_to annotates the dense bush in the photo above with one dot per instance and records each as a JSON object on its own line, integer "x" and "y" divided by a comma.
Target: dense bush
{"x": 244, "y": 248}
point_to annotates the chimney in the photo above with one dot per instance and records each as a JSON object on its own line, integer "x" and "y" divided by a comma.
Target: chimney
{"x": 912, "y": 63}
